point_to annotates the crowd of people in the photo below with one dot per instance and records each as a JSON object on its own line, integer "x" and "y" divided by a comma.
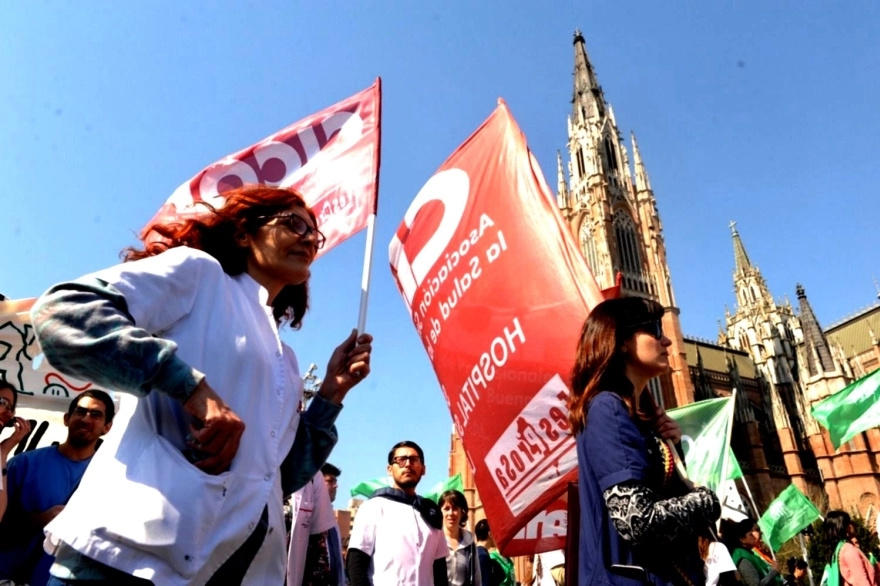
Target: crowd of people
{"x": 215, "y": 473}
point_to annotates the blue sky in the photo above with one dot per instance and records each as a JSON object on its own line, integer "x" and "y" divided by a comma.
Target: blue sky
{"x": 764, "y": 114}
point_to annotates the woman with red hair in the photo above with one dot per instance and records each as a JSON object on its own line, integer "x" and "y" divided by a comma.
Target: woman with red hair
{"x": 188, "y": 488}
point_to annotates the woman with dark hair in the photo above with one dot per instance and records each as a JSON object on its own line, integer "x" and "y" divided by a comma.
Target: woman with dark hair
{"x": 462, "y": 563}
{"x": 188, "y": 487}
{"x": 638, "y": 518}
{"x": 741, "y": 539}
{"x": 848, "y": 560}
{"x": 21, "y": 427}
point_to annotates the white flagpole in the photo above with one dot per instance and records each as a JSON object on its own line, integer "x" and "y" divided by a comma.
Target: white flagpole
{"x": 365, "y": 278}
{"x": 725, "y": 464}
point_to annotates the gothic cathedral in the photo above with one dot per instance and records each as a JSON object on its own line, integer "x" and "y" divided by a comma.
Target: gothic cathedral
{"x": 614, "y": 216}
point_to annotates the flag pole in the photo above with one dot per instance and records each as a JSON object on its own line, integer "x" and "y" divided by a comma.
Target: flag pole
{"x": 365, "y": 278}
{"x": 728, "y": 451}
{"x": 371, "y": 221}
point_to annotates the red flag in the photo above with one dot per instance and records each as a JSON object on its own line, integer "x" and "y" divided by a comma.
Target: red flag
{"x": 331, "y": 157}
{"x": 498, "y": 291}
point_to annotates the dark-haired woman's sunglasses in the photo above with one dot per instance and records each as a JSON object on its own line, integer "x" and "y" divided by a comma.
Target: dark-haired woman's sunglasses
{"x": 296, "y": 224}
{"x": 653, "y": 327}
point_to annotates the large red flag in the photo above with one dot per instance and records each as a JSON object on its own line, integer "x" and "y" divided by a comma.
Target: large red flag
{"x": 498, "y": 291}
{"x": 331, "y": 157}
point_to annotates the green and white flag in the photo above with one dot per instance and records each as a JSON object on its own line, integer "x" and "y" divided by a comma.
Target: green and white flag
{"x": 787, "y": 515}
{"x": 852, "y": 410}
{"x": 367, "y": 488}
{"x": 705, "y": 428}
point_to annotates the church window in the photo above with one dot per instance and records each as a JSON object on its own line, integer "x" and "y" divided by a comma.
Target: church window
{"x": 755, "y": 295}
{"x": 628, "y": 252}
{"x": 580, "y": 163}
{"x": 588, "y": 246}
{"x": 611, "y": 154}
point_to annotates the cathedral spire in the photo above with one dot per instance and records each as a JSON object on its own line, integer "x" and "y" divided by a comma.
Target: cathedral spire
{"x": 642, "y": 181}
{"x": 818, "y": 355}
{"x": 587, "y": 100}
{"x": 561, "y": 185}
{"x": 739, "y": 251}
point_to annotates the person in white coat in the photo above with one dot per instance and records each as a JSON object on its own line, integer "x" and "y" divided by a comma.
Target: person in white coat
{"x": 188, "y": 487}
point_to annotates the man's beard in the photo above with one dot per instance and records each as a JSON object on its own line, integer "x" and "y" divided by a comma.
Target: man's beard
{"x": 408, "y": 483}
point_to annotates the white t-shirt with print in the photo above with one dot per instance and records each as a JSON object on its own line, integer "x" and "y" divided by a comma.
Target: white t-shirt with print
{"x": 717, "y": 562}
{"x": 402, "y": 545}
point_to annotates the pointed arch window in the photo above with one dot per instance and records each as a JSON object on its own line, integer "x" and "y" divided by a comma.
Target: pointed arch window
{"x": 611, "y": 154}
{"x": 582, "y": 170}
{"x": 628, "y": 251}
{"x": 588, "y": 246}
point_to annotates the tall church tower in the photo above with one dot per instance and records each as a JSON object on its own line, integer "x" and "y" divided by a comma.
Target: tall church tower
{"x": 771, "y": 333}
{"x": 614, "y": 215}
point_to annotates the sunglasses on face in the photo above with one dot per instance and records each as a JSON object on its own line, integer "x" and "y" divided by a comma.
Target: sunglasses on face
{"x": 653, "y": 328}
{"x": 297, "y": 224}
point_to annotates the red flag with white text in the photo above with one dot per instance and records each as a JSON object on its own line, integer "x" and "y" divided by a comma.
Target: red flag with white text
{"x": 331, "y": 157}
{"x": 498, "y": 291}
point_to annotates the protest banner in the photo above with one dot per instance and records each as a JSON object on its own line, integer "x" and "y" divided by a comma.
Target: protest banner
{"x": 705, "y": 428}
{"x": 331, "y": 157}
{"x": 498, "y": 291}
{"x": 44, "y": 394}
{"x": 787, "y": 515}
{"x": 851, "y": 410}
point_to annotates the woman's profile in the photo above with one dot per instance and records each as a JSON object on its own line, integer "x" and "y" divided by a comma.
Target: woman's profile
{"x": 639, "y": 520}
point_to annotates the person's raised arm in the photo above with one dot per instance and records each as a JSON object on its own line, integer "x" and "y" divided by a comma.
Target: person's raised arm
{"x": 21, "y": 428}
{"x": 316, "y": 434}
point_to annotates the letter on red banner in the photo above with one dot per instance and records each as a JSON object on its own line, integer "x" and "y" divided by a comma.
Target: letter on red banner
{"x": 498, "y": 291}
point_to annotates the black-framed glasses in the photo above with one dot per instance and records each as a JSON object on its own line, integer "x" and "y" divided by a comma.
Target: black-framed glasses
{"x": 653, "y": 327}
{"x": 83, "y": 412}
{"x": 7, "y": 404}
{"x": 402, "y": 460}
{"x": 297, "y": 224}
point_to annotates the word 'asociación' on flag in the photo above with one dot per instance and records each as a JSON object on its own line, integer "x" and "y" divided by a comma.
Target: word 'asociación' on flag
{"x": 331, "y": 158}
{"x": 497, "y": 291}
{"x": 852, "y": 410}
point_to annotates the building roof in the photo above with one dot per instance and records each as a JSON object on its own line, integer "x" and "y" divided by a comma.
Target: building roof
{"x": 715, "y": 357}
{"x": 854, "y": 333}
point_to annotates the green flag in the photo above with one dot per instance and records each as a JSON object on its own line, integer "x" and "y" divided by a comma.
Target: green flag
{"x": 366, "y": 489}
{"x": 705, "y": 426}
{"x": 852, "y": 410}
{"x": 787, "y": 515}
{"x": 453, "y": 483}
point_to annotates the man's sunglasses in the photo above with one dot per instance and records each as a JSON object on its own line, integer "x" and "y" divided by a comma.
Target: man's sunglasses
{"x": 296, "y": 224}
{"x": 653, "y": 327}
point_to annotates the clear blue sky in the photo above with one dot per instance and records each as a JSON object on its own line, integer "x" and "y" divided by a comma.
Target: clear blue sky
{"x": 762, "y": 114}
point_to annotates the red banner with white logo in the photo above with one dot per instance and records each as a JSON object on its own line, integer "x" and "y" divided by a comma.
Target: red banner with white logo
{"x": 331, "y": 157}
{"x": 498, "y": 292}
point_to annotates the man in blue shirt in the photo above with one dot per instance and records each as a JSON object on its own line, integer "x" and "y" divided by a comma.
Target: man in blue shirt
{"x": 40, "y": 482}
